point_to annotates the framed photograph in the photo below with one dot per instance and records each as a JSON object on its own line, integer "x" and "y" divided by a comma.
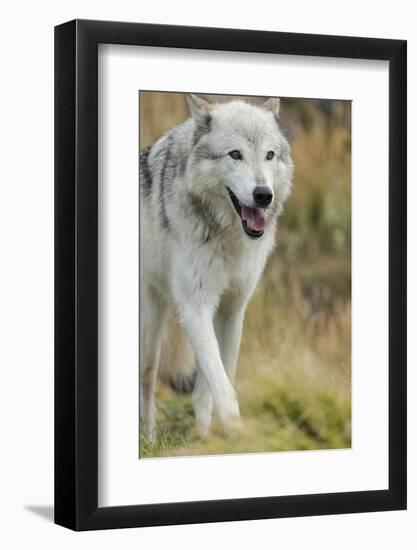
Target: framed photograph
{"x": 230, "y": 255}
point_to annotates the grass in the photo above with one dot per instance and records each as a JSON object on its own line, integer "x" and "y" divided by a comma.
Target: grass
{"x": 293, "y": 376}
{"x": 294, "y": 373}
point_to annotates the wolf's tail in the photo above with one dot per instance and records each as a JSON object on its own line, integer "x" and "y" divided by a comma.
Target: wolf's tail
{"x": 178, "y": 364}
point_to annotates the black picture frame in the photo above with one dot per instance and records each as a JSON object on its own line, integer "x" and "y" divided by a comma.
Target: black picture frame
{"x": 76, "y": 272}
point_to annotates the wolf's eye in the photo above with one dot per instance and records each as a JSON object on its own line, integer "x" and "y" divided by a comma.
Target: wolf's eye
{"x": 236, "y": 155}
{"x": 270, "y": 155}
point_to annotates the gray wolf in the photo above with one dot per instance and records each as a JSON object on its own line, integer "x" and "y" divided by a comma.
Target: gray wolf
{"x": 211, "y": 191}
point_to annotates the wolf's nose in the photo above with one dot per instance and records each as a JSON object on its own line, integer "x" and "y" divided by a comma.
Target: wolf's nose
{"x": 262, "y": 195}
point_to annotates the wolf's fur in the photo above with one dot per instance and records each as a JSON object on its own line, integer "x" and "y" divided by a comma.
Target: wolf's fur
{"x": 195, "y": 254}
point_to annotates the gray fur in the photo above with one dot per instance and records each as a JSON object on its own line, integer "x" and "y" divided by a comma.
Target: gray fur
{"x": 165, "y": 179}
{"x": 145, "y": 172}
{"x": 203, "y": 215}
{"x": 201, "y": 130}
{"x": 203, "y": 151}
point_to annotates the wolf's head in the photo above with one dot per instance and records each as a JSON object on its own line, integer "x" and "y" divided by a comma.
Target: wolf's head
{"x": 241, "y": 163}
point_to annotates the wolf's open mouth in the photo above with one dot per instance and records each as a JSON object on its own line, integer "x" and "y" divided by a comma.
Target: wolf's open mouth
{"x": 253, "y": 219}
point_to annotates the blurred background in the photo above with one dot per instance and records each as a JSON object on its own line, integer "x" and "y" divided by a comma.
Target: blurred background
{"x": 294, "y": 373}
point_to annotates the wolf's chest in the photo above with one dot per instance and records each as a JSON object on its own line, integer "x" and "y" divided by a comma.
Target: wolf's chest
{"x": 230, "y": 265}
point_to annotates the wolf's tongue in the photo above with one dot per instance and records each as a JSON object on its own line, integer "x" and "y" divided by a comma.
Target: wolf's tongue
{"x": 255, "y": 217}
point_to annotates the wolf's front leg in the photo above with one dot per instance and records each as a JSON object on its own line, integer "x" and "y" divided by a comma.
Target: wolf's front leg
{"x": 202, "y": 399}
{"x": 198, "y": 324}
{"x": 228, "y": 326}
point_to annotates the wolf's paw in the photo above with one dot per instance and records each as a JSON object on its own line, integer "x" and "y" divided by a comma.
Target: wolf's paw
{"x": 231, "y": 421}
{"x": 148, "y": 429}
{"x": 234, "y": 427}
{"x": 149, "y": 436}
{"x": 203, "y": 429}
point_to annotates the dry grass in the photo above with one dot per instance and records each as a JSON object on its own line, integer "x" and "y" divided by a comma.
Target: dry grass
{"x": 294, "y": 377}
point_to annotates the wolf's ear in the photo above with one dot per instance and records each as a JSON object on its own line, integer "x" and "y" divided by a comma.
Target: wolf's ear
{"x": 272, "y": 104}
{"x": 200, "y": 109}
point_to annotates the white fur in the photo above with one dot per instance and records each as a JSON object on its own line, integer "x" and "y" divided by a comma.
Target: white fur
{"x": 208, "y": 276}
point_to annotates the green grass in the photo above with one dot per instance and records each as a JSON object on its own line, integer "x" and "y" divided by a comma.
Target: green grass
{"x": 293, "y": 377}
{"x": 282, "y": 411}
